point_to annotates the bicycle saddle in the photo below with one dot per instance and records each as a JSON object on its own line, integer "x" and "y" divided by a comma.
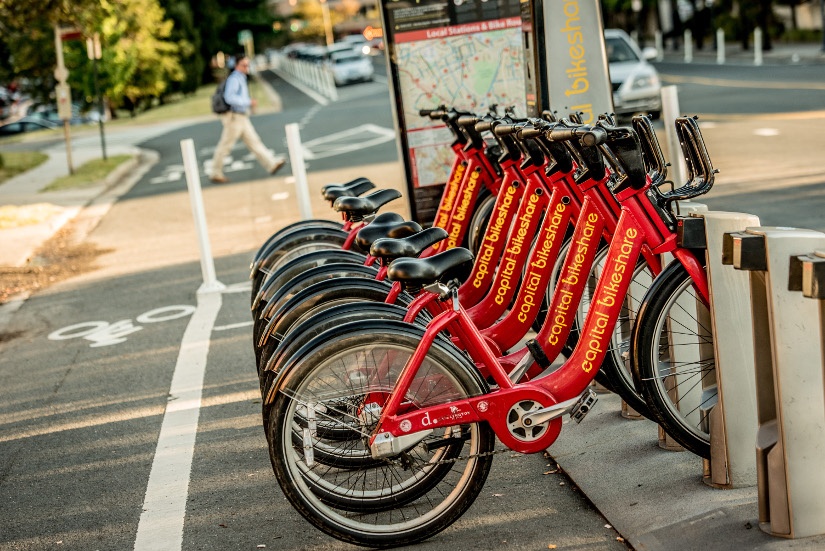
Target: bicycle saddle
{"x": 388, "y": 224}
{"x": 388, "y": 249}
{"x": 356, "y": 208}
{"x": 356, "y": 187}
{"x": 415, "y": 273}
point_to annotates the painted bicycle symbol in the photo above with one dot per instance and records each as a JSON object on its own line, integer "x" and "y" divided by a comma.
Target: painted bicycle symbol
{"x": 103, "y": 333}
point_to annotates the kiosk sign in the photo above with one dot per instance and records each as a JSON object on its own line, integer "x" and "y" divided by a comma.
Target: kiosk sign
{"x": 464, "y": 54}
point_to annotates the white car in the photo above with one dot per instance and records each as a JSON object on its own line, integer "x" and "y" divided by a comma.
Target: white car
{"x": 358, "y": 43}
{"x": 350, "y": 67}
{"x": 636, "y": 84}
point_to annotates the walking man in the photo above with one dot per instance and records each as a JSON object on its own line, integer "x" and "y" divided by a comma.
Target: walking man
{"x": 236, "y": 124}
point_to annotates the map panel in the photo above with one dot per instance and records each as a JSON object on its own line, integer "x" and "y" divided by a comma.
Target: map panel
{"x": 469, "y": 67}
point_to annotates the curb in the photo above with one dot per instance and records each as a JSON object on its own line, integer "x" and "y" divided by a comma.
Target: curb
{"x": 87, "y": 216}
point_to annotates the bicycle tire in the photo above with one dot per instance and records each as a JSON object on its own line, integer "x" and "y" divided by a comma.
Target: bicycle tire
{"x": 300, "y": 224}
{"x": 300, "y": 265}
{"x": 323, "y": 295}
{"x": 371, "y": 515}
{"x": 313, "y": 276}
{"x": 672, "y": 386}
{"x": 292, "y": 246}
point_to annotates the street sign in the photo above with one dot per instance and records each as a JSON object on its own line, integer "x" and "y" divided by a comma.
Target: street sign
{"x": 64, "y": 101}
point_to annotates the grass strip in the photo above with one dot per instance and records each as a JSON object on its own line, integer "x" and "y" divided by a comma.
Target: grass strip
{"x": 88, "y": 174}
{"x": 13, "y": 163}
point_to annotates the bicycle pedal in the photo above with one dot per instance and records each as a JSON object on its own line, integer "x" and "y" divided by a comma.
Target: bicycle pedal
{"x": 584, "y": 405}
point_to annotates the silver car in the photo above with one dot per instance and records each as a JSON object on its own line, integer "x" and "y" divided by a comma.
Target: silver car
{"x": 636, "y": 84}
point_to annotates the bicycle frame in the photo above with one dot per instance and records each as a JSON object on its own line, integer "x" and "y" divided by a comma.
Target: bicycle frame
{"x": 640, "y": 224}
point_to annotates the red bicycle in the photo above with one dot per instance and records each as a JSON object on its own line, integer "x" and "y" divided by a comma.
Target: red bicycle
{"x": 382, "y": 433}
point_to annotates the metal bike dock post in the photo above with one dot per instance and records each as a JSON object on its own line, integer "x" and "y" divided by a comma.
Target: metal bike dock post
{"x": 731, "y": 418}
{"x": 790, "y": 403}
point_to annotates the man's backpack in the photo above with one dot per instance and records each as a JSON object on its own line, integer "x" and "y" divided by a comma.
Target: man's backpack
{"x": 219, "y": 104}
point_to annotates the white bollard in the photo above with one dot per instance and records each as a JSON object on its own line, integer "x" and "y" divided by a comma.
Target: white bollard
{"x": 688, "y": 46}
{"x": 732, "y": 422}
{"x": 790, "y": 402}
{"x": 299, "y": 171}
{"x": 332, "y": 90}
{"x": 720, "y": 46}
{"x": 757, "y": 46}
{"x": 658, "y": 42}
{"x": 193, "y": 183}
{"x": 670, "y": 110}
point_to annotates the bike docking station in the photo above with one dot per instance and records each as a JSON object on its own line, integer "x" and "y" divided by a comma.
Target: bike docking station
{"x": 808, "y": 275}
{"x": 790, "y": 402}
{"x": 730, "y": 418}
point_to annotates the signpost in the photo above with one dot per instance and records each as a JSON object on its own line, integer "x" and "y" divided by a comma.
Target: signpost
{"x": 63, "y": 94}
{"x": 94, "y": 52}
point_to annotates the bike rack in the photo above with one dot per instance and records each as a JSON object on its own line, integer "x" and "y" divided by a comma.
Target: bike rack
{"x": 808, "y": 275}
{"x": 731, "y": 420}
{"x": 790, "y": 402}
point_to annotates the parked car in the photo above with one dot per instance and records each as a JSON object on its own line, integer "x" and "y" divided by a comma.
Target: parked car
{"x": 636, "y": 84}
{"x": 337, "y": 48}
{"x": 350, "y": 67}
{"x": 26, "y": 124}
{"x": 357, "y": 42}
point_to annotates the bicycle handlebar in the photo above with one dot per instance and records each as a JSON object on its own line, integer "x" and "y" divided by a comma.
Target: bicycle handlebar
{"x": 468, "y": 120}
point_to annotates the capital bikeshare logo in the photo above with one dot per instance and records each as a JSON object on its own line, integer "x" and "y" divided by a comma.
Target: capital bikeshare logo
{"x": 446, "y": 207}
{"x": 492, "y": 236}
{"x": 608, "y": 297}
{"x": 562, "y": 313}
{"x": 519, "y": 233}
{"x": 462, "y": 208}
{"x": 539, "y": 261}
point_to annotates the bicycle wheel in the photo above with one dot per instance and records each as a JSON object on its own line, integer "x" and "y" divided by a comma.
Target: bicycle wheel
{"x": 321, "y": 296}
{"x": 313, "y": 223}
{"x": 311, "y": 277}
{"x": 291, "y": 246}
{"x": 300, "y": 265}
{"x": 673, "y": 358}
{"x": 400, "y": 500}
{"x": 274, "y": 359}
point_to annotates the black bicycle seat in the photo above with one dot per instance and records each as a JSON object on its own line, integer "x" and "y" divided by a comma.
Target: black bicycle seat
{"x": 415, "y": 273}
{"x": 354, "y": 188}
{"x": 388, "y": 249}
{"x": 388, "y": 224}
{"x": 356, "y": 208}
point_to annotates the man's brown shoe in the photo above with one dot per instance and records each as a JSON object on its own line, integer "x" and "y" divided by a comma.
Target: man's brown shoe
{"x": 218, "y": 179}
{"x": 278, "y": 166}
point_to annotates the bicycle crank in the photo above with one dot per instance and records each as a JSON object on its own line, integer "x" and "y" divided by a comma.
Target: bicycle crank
{"x": 576, "y": 407}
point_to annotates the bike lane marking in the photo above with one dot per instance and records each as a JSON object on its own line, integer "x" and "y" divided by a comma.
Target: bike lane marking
{"x": 164, "y": 505}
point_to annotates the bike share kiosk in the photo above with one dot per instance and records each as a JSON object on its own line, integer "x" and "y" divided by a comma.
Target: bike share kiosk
{"x": 790, "y": 402}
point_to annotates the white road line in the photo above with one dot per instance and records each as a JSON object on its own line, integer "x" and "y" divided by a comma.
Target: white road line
{"x": 233, "y": 326}
{"x": 164, "y": 506}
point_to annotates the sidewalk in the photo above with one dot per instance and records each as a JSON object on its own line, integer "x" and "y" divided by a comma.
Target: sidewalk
{"x": 781, "y": 54}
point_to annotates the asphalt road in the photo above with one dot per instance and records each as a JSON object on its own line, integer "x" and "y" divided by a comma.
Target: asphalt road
{"x": 90, "y": 368}
{"x": 87, "y": 366}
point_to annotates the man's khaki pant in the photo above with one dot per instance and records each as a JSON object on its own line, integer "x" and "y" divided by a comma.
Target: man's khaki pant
{"x": 237, "y": 125}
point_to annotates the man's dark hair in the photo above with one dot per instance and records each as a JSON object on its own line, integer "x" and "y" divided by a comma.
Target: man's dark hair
{"x": 239, "y": 58}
